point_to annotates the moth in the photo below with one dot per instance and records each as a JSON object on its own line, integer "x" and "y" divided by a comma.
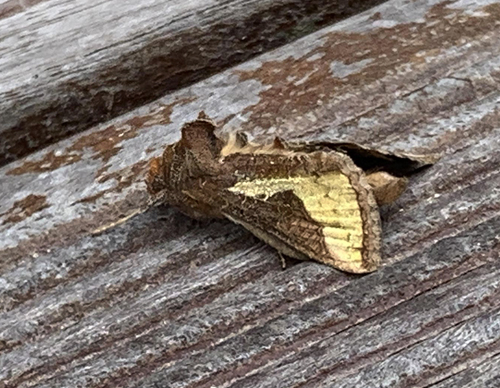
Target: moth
{"x": 315, "y": 201}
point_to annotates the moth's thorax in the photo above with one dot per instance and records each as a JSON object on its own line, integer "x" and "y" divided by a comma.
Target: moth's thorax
{"x": 177, "y": 176}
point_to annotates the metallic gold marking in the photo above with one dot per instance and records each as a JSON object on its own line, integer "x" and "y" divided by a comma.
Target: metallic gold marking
{"x": 329, "y": 199}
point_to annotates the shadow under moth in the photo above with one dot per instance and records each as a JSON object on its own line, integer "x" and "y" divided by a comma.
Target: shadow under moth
{"x": 308, "y": 200}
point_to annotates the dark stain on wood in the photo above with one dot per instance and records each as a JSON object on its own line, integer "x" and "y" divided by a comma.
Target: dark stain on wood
{"x": 25, "y": 208}
{"x": 400, "y": 44}
{"x": 12, "y": 7}
{"x": 104, "y": 144}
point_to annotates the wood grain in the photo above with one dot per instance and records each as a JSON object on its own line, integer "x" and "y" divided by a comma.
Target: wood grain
{"x": 166, "y": 301}
{"x": 68, "y": 65}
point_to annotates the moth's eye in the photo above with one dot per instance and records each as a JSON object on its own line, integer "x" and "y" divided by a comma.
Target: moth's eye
{"x": 261, "y": 196}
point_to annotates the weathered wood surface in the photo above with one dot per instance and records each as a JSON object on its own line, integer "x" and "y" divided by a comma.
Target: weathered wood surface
{"x": 165, "y": 301}
{"x": 67, "y": 65}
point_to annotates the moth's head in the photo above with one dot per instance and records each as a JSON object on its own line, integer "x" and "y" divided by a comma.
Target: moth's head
{"x": 198, "y": 137}
{"x": 194, "y": 154}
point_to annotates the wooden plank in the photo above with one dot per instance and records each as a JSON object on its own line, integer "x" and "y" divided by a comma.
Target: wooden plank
{"x": 485, "y": 374}
{"x": 167, "y": 301}
{"x": 68, "y": 65}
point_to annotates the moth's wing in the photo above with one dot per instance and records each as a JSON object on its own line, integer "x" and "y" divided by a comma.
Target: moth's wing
{"x": 372, "y": 160}
{"x": 258, "y": 215}
{"x": 386, "y": 187}
{"x": 329, "y": 216}
{"x": 395, "y": 163}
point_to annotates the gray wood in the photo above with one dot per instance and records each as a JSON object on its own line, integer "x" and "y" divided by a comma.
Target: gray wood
{"x": 166, "y": 301}
{"x": 67, "y": 65}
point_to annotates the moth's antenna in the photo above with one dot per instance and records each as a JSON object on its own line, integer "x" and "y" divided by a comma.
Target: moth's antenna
{"x": 151, "y": 202}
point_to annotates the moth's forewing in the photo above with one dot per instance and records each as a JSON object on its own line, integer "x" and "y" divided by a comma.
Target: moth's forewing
{"x": 371, "y": 160}
{"x": 316, "y": 205}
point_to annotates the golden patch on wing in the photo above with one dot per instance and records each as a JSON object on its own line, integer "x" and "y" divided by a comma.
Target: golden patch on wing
{"x": 332, "y": 205}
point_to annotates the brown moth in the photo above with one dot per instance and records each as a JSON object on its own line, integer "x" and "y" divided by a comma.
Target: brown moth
{"x": 308, "y": 200}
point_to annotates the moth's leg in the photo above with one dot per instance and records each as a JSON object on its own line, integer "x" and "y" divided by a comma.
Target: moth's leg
{"x": 386, "y": 187}
{"x": 122, "y": 220}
